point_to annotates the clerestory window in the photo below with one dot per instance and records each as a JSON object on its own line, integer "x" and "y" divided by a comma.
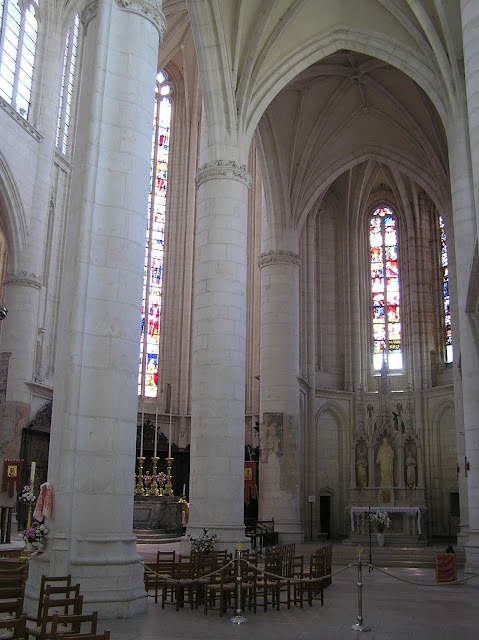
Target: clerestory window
{"x": 155, "y": 236}
{"x": 18, "y": 41}
{"x": 385, "y": 290}
{"x": 65, "y": 105}
{"x": 445, "y": 293}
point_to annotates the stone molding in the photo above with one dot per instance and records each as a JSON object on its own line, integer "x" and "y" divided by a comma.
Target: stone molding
{"x": 223, "y": 169}
{"x": 279, "y": 257}
{"x": 22, "y": 279}
{"x": 20, "y": 120}
{"x": 149, "y": 9}
{"x": 88, "y": 13}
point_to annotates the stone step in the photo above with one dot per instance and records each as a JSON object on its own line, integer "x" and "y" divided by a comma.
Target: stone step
{"x": 413, "y": 557}
{"x": 154, "y": 536}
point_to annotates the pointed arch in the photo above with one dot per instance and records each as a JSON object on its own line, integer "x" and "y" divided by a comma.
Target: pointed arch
{"x": 12, "y": 219}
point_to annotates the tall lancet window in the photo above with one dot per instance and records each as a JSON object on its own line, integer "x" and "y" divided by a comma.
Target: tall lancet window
{"x": 445, "y": 292}
{"x": 385, "y": 290}
{"x": 153, "y": 272}
{"x": 66, "y": 91}
{"x": 18, "y": 42}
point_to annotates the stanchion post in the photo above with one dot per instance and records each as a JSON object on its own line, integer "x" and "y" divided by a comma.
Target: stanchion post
{"x": 360, "y": 626}
{"x": 238, "y": 618}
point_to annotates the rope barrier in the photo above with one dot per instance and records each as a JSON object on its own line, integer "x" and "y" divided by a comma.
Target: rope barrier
{"x": 425, "y": 584}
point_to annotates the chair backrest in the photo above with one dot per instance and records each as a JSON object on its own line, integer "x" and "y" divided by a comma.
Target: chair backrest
{"x": 165, "y": 562}
{"x": 73, "y": 624}
{"x": 63, "y": 606}
{"x": 12, "y": 608}
{"x": 16, "y": 626}
{"x": 47, "y": 581}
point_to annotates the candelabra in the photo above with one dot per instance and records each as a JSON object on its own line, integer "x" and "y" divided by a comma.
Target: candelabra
{"x": 154, "y": 491}
{"x": 139, "y": 489}
{"x": 168, "y": 488}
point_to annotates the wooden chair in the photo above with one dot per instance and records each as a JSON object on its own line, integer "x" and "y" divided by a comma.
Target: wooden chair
{"x": 13, "y": 628}
{"x": 50, "y": 581}
{"x": 165, "y": 566}
{"x": 317, "y": 569}
{"x": 270, "y": 583}
{"x": 52, "y": 605}
{"x": 73, "y": 624}
{"x": 221, "y": 587}
{"x": 11, "y": 607}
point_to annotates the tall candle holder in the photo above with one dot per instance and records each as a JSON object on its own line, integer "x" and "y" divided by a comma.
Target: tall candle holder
{"x": 168, "y": 488}
{"x": 29, "y": 515}
{"x": 139, "y": 489}
{"x": 154, "y": 491}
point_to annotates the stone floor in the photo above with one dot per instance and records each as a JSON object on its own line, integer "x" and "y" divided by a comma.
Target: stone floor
{"x": 402, "y": 604}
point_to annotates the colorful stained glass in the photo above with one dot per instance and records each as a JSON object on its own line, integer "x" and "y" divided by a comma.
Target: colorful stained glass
{"x": 385, "y": 290}
{"x": 445, "y": 292}
{"x": 154, "y": 247}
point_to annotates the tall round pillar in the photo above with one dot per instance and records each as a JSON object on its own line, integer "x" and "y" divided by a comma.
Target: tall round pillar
{"x": 92, "y": 448}
{"x": 219, "y": 354}
{"x": 465, "y": 342}
{"x": 281, "y": 434}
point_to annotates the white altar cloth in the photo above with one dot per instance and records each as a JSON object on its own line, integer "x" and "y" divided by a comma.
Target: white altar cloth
{"x": 409, "y": 510}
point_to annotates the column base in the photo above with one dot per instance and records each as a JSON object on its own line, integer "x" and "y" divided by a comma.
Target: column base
{"x": 472, "y": 557}
{"x": 109, "y": 571}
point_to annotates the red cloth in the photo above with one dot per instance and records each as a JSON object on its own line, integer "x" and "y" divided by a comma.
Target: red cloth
{"x": 12, "y": 476}
{"x": 249, "y": 481}
{"x": 44, "y": 505}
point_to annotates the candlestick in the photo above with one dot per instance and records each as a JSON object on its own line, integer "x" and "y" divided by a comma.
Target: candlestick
{"x": 184, "y": 487}
{"x": 154, "y": 491}
{"x": 32, "y": 474}
{"x": 156, "y": 431}
{"x": 141, "y": 436}
{"x": 169, "y": 438}
{"x": 139, "y": 489}
{"x": 168, "y": 487}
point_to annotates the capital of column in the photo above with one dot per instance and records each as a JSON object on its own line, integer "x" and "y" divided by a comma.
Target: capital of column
{"x": 149, "y": 9}
{"x": 223, "y": 169}
{"x": 23, "y": 279}
{"x": 279, "y": 257}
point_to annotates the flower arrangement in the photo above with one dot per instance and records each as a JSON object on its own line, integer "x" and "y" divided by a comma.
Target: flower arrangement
{"x": 35, "y": 534}
{"x": 161, "y": 478}
{"x": 27, "y": 494}
{"x": 205, "y": 543}
{"x": 380, "y": 520}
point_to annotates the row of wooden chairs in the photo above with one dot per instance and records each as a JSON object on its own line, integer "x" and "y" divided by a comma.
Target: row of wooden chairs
{"x": 209, "y": 580}
{"x": 59, "y": 615}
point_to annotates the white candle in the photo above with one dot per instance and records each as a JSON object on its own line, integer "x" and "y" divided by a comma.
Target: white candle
{"x": 169, "y": 439}
{"x": 32, "y": 473}
{"x": 156, "y": 430}
{"x": 141, "y": 436}
{"x": 184, "y": 488}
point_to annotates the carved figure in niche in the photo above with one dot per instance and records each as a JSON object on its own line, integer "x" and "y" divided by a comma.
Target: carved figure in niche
{"x": 410, "y": 467}
{"x": 362, "y": 466}
{"x": 385, "y": 459}
{"x": 398, "y": 418}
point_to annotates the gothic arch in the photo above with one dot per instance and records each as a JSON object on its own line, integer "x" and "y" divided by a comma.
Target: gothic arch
{"x": 12, "y": 219}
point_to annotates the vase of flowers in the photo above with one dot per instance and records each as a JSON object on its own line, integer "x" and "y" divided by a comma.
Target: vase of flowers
{"x": 380, "y": 521}
{"x": 205, "y": 543}
{"x": 27, "y": 496}
{"x": 161, "y": 479}
{"x": 34, "y": 537}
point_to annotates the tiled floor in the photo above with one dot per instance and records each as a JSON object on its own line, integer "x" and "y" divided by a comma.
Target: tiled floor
{"x": 407, "y": 605}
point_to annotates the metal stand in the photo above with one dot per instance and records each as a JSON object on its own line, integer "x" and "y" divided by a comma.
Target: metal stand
{"x": 238, "y": 618}
{"x": 370, "y": 544}
{"x": 360, "y": 626}
{"x": 139, "y": 489}
{"x": 168, "y": 488}
{"x": 154, "y": 491}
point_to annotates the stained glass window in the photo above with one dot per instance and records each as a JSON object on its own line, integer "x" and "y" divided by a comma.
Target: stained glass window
{"x": 18, "y": 41}
{"x": 445, "y": 292}
{"x": 385, "y": 290}
{"x": 153, "y": 271}
{"x": 66, "y": 91}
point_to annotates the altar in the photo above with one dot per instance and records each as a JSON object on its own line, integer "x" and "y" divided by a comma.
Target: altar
{"x": 405, "y": 521}
{"x": 163, "y": 513}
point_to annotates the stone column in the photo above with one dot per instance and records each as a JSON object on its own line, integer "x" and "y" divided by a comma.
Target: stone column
{"x": 465, "y": 346}
{"x": 92, "y": 448}
{"x": 280, "y": 462}
{"x": 219, "y": 354}
{"x": 470, "y": 39}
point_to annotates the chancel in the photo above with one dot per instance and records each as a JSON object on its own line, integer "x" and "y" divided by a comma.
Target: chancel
{"x": 238, "y": 233}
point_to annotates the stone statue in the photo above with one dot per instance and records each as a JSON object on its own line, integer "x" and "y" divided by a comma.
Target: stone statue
{"x": 410, "y": 469}
{"x": 385, "y": 458}
{"x": 362, "y": 466}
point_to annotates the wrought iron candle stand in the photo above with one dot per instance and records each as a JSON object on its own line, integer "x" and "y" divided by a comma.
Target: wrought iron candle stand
{"x": 360, "y": 626}
{"x": 139, "y": 489}
{"x": 168, "y": 488}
